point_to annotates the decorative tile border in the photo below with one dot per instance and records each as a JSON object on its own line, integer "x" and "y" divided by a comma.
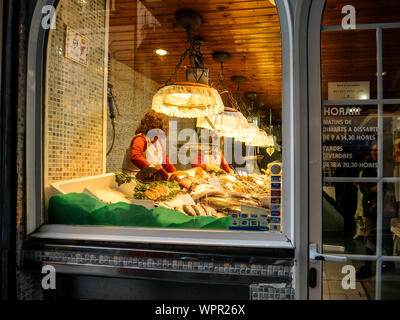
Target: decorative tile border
{"x": 271, "y": 292}
{"x": 164, "y": 264}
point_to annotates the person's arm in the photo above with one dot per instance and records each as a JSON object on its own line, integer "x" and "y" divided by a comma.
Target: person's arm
{"x": 197, "y": 162}
{"x": 224, "y": 164}
{"x": 168, "y": 166}
{"x": 139, "y": 145}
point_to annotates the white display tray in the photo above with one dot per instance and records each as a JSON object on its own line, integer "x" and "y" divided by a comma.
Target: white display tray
{"x": 98, "y": 185}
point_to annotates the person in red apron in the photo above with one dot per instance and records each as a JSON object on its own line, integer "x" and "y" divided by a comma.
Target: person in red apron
{"x": 212, "y": 161}
{"x": 143, "y": 152}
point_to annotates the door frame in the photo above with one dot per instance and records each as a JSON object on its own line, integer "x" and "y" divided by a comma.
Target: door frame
{"x": 300, "y": 10}
{"x": 315, "y": 153}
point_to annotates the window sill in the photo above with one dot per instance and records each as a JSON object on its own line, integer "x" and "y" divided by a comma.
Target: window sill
{"x": 164, "y": 236}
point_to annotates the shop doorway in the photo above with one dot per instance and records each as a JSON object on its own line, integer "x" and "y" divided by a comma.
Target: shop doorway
{"x": 354, "y": 130}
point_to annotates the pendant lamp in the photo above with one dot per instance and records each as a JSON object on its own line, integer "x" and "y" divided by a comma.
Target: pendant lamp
{"x": 249, "y": 134}
{"x": 229, "y": 123}
{"x": 188, "y": 99}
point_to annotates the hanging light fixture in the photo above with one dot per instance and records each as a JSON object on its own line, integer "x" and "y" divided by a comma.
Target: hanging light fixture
{"x": 230, "y": 122}
{"x": 238, "y": 80}
{"x": 249, "y": 134}
{"x": 272, "y": 142}
{"x": 221, "y": 58}
{"x": 190, "y": 99}
{"x": 252, "y": 116}
{"x": 187, "y": 100}
{"x": 262, "y": 139}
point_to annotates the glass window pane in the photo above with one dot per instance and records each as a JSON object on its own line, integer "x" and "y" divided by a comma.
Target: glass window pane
{"x": 367, "y": 11}
{"x": 334, "y": 288}
{"x": 349, "y": 218}
{"x": 113, "y": 136}
{"x": 390, "y": 219}
{"x": 391, "y": 63}
{"x": 391, "y": 140}
{"x": 349, "y": 136}
{"x": 390, "y": 280}
{"x": 348, "y": 57}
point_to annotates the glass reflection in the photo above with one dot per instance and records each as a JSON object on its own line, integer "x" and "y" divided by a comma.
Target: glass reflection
{"x": 349, "y": 136}
{"x": 390, "y": 219}
{"x": 391, "y": 141}
{"x": 349, "y": 218}
{"x": 390, "y": 280}
{"x": 366, "y": 11}
{"x": 348, "y": 58}
{"x": 336, "y": 287}
{"x": 391, "y": 63}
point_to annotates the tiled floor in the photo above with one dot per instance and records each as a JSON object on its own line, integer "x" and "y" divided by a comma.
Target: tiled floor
{"x": 332, "y": 285}
{"x": 365, "y": 289}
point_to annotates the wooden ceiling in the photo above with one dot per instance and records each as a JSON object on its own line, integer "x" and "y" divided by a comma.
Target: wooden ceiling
{"x": 248, "y": 30}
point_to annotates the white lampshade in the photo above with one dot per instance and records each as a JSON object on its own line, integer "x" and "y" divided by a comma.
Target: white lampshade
{"x": 249, "y": 134}
{"x": 263, "y": 139}
{"x": 187, "y": 100}
{"x": 259, "y": 139}
{"x": 227, "y": 123}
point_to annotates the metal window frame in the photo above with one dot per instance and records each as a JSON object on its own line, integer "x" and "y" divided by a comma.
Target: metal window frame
{"x": 316, "y": 155}
{"x": 35, "y": 161}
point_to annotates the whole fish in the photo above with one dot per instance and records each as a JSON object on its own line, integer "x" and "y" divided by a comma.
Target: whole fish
{"x": 205, "y": 190}
{"x": 221, "y": 203}
{"x": 228, "y": 203}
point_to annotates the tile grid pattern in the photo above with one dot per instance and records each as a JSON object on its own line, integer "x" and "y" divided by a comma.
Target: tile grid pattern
{"x": 270, "y": 292}
{"x": 133, "y": 95}
{"x": 75, "y": 94}
{"x": 160, "y": 263}
{"x": 279, "y": 291}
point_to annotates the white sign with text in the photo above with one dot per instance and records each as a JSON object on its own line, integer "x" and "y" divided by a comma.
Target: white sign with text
{"x": 353, "y": 90}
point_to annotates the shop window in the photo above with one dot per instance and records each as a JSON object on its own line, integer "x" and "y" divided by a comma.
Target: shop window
{"x": 127, "y": 83}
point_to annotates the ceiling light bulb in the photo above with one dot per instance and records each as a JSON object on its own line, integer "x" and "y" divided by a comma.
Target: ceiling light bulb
{"x": 161, "y": 52}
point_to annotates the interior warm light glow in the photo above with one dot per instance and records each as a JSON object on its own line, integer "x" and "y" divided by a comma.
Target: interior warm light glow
{"x": 256, "y": 137}
{"x": 248, "y": 135}
{"x": 187, "y": 100}
{"x": 161, "y": 52}
{"x": 181, "y": 98}
{"x": 227, "y": 123}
